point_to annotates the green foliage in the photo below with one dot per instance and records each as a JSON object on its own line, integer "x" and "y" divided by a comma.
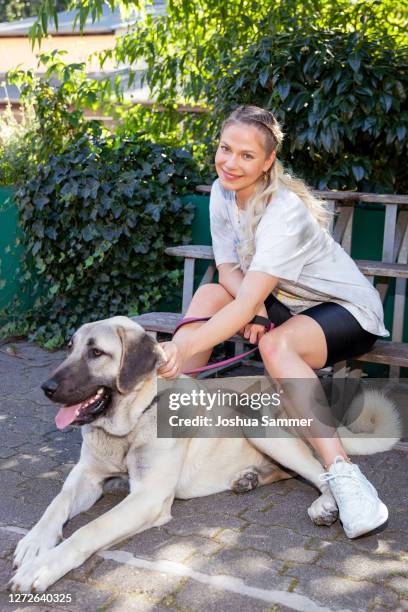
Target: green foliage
{"x": 97, "y": 219}
{"x": 97, "y": 211}
{"x": 341, "y": 98}
{"x": 58, "y": 109}
{"x": 15, "y": 142}
{"x": 185, "y": 44}
{"x": 339, "y": 75}
{"x": 11, "y": 10}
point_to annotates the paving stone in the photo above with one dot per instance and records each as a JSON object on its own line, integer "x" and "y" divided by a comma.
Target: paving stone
{"x": 12, "y": 439}
{"x": 31, "y": 466}
{"x": 85, "y": 597}
{"x": 12, "y": 406}
{"x": 15, "y": 384}
{"x": 130, "y": 579}
{"x": 233, "y": 504}
{"x": 10, "y": 480}
{"x": 399, "y": 584}
{"x": 39, "y": 491}
{"x": 203, "y": 524}
{"x": 127, "y": 602}
{"x": 82, "y": 572}
{"x": 293, "y": 516}
{"x": 13, "y": 511}
{"x": 347, "y": 560}
{"x": 327, "y": 588}
{"x": 280, "y": 543}
{"x": 390, "y": 541}
{"x": 255, "y": 568}
{"x": 29, "y": 425}
{"x": 6, "y": 453}
{"x": 197, "y": 596}
{"x": 5, "y": 572}
{"x": 157, "y": 544}
{"x": 100, "y": 507}
{"x": 8, "y": 543}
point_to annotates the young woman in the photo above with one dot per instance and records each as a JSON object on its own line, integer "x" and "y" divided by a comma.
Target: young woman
{"x": 276, "y": 258}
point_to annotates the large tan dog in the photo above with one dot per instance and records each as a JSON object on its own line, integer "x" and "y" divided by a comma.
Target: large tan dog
{"x": 109, "y": 382}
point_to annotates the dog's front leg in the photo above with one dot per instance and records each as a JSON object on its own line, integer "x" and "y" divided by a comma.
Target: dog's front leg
{"x": 80, "y": 491}
{"x": 148, "y": 505}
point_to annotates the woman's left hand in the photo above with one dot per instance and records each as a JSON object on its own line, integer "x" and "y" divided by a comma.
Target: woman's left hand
{"x": 176, "y": 354}
{"x": 253, "y": 332}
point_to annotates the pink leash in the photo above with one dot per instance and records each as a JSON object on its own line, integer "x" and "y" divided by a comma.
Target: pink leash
{"x": 260, "y": 320}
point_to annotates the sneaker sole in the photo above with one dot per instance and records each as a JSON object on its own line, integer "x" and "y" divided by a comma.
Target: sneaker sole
{"x": 380, "y": 520}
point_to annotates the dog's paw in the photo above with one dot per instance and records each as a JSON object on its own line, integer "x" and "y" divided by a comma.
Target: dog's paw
{"x": 324, "y": 510}
{"x": 245, "y": 481}
{"x": 37, "y": 576}
{"x": 34, "y": 544}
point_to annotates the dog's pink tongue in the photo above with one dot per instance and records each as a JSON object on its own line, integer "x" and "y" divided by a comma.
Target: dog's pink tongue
{"x": 66, "y": 415}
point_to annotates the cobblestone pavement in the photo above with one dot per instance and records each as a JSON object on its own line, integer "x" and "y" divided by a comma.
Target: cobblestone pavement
{"x": 250, "y": 552}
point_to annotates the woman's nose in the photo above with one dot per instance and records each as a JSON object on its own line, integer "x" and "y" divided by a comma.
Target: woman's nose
{"x": 231, "y": 162}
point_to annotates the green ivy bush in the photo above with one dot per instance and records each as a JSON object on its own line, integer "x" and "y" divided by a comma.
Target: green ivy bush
{"x": 96, "y": 220}
{"x": 341, "y": 97}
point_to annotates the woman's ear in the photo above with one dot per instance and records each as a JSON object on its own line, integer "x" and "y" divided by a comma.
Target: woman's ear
{"x": 269, "y": 161}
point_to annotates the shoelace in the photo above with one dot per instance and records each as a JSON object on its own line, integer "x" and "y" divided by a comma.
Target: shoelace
{"x": 346, "y": 486}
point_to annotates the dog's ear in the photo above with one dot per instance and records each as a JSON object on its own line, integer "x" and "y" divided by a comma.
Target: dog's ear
{"x": 139, "y": 358}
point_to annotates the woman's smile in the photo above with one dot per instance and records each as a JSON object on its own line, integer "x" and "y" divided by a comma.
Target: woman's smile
{"x": 229, "y": 176}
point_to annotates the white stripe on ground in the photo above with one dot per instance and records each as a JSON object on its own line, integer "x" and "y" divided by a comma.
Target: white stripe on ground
{"x": 14, "y": 529}
{"x": 225, "y": 582}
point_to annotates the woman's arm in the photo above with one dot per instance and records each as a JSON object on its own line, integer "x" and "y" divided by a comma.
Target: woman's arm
{"x": 232, "y": 279}
{"x": 252, "y": 292}
{"x": 229, "y": 278}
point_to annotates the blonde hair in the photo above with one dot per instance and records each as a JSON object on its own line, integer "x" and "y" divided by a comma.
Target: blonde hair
{"x": 274, "y": 178}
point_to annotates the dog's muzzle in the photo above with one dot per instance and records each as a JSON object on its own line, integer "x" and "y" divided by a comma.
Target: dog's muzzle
{"x": 83, "y": 412}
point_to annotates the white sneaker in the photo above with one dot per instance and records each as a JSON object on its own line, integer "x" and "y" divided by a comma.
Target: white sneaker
{"x": 360, "y": 508}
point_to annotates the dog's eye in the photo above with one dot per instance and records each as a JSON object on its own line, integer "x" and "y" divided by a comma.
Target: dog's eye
{"x": 96, "y": 352}
{"x": 69, "y": 344}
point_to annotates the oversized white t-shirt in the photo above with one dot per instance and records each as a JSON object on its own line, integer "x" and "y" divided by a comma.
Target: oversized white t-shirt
{"x": 290, "y": 244}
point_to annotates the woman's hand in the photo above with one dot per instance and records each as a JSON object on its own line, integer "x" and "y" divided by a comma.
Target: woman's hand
{"x": 176, "y": 354}
{"x": 252, "y": 331}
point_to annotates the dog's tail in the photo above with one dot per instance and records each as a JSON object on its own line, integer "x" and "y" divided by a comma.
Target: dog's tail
{"x": 373, "y": 424}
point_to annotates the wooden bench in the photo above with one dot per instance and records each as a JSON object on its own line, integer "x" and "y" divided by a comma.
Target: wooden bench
{"x": 393, "y": 265}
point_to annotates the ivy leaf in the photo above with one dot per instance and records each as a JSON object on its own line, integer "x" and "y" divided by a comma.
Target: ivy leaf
{"x": 283, "y": 89}
{"x": 358, "y": 171}
{"x": 264, "y": 76}
{"x": 40, "y": 201}
{"x": 355, "y": 63}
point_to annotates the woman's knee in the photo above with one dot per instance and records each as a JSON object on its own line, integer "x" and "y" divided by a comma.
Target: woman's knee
{"x": 274, "y": 344}
{"x": 211, "y": 297}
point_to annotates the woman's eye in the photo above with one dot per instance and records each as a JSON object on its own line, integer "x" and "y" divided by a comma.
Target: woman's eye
{"x": 96, "y": 352}
{"x": 223, "y": 148}
{"x": 248, "y": 156}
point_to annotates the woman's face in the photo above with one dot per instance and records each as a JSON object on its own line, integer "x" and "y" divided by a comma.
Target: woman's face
{"x": 241, "y": 159}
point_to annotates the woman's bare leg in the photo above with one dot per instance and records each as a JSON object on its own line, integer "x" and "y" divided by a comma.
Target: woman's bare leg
{"x": 206, "y": 302}
{"x": 291, "y": 351}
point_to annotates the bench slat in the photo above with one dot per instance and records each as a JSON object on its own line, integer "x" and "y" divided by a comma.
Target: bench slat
{"x": 379, "y": 268}
{"x": 351, "y": 196}
{"x": 386, "y": 352}
{"x": 193, "y": 251}
{"x": 368, "y": 267}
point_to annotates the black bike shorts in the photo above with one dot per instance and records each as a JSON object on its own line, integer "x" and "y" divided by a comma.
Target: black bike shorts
{"x": 344, "y": 335}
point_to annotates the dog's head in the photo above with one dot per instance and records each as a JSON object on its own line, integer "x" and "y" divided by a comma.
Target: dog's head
{"x": 107, "y": 361}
